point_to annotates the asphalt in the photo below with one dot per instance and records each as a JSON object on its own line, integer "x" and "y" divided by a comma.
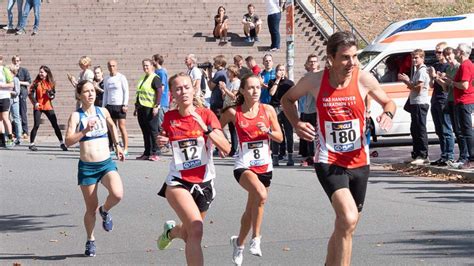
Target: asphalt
{"x": 407, "y": 220}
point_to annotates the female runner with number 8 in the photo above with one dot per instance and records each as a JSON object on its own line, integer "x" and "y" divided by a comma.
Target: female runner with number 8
{"x": 256, "y": 125}
{"x": 192, "y": 131}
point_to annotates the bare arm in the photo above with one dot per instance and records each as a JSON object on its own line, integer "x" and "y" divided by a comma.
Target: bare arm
{"x": 6, "y": 86}
{"x": 289, "y": 103}
{"x": 73, "y": 137}
{"x": 275, "y": 134}
{"x": 216, "y": 136}
{"x": 227, "y": 117}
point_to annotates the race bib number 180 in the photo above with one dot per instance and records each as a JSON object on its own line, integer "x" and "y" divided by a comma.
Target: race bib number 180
{"x": 343, "y": 136}
{"x": 189, "y": 153}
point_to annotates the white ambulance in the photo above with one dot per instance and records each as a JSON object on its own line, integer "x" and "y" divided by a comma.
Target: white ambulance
{"x": 389, "y": 54}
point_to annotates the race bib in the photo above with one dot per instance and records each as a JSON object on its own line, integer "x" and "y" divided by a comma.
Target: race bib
{"x": 343, "y": 136}
{"x": 189, "y": 153}
{"x": 100, "y": 127}
{"x": 256, "y": 153}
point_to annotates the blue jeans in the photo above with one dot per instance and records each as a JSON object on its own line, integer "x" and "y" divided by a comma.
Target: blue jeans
{"x": 443, "y": 129}
{"x": 15, "y": 114}
{"x": 35, "y": 4}
{"x": 463, "y": 120}
{"x": 274, "y": 28}
{"x": 19, "y": 4}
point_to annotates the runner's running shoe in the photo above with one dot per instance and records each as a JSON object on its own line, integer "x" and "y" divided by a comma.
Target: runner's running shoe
{"x": 107, "y": 222}
{"x": 255, "y": 246}
{"x": 90, "y": 248}
{"x": 164, "y": 241}
{"x": 238, "y": 252}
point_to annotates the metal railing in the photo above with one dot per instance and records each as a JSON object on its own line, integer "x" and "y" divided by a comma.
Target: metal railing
{"x": 336, "y": 12}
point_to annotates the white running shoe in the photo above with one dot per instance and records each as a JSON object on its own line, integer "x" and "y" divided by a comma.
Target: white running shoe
{"x": 238, "y": 253}
{"x": 255, "y": 246}
{"x": 420, "y": 161}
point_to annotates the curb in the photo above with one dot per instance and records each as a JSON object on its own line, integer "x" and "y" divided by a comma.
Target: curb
{"x": 467, "y": 175}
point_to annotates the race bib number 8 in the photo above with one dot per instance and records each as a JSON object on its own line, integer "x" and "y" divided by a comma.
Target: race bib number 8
{"x": 343, "y": 136}
{"x": 189, "y": 153}
{"x": 256, "y": 153}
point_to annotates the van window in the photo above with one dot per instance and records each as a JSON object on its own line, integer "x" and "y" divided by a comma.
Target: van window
{"x": 387, "y": 70}
{"x": 366, "y": 57}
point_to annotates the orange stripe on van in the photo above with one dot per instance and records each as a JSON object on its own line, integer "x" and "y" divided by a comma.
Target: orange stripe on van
{"x": 420, "y": 36}
{"x": 398, "y": 90}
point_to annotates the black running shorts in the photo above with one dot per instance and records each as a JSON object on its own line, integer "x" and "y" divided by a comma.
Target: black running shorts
{"x": 4, "y": 105}
{"x": 203, "y": 197}
{"x": 265, "y": 178}
{"x": 116, "y": 111}
{"x": 333, "y": 177}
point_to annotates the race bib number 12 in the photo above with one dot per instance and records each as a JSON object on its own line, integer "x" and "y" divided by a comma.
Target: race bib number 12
{"x": 343, "y": 136}
{"x": 189, "y": 153}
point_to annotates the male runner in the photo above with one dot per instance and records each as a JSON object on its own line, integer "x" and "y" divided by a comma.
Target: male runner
{"x": 342, "y": 153}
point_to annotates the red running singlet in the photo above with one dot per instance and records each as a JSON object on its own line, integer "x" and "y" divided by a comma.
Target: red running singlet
{"x": 255, "y": 153}
{"x": 340, "y": 124}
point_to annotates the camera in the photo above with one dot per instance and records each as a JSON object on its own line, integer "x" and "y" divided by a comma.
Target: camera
{"x": 204, "y": 65}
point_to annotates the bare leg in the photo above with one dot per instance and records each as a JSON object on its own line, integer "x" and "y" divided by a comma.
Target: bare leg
{"x": 191, "y": 230}
{"x": 246, "y": 221}
{"x": 113, "y": 183}
{"x": 257, "y": 29}
{"x": 256, "y": 200}
{"x": 347, "y": 217}
{"x": 247, "y": 30}
{"x": 5, "y": 117}
{"x": 92, "y": 203}
{"x": 123, "y": 131}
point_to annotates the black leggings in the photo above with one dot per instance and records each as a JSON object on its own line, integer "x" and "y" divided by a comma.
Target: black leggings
{"x": 51, "y": 117}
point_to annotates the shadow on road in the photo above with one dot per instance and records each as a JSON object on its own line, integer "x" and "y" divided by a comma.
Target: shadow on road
{"x": 436, "y": 244}
{"x": 35, "y": 257}
{"x": 424, "y": 189}
{"x": 23, "y": 223}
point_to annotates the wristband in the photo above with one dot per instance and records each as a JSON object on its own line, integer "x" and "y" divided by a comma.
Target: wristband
{"x": 389, "y": 114}
{"x": 209, "y": 130}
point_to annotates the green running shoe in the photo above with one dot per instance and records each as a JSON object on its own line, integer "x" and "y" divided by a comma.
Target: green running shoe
{"x": 164, "y": 241}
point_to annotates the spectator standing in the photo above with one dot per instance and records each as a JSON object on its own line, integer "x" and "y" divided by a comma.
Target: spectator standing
{"x": 30, "y": 4}
{"x": 85, "y": 74}
{"x": 15, "y": 104}
{"x": 158, "y": 61}
{"x": 98, "y": 85}
{"x": 273, "y": 19}
{"x": 239, "y": 62}
{"x": 439, "y": 99}
{"x": 10, "y": 5}
{"x": 453, "y": 66}
{"x": 6, "y": 86}
{"x": 252, "y": 65}
{"x": 252, "y": 24}
{"x": 418, "y": 105}
{"x": 230, "y": 95}
{"x": 116, "y": 95}
{"x": 42, "y": 92}
{"x": 147, "y": 105}
{"x": 217, "y": 101}
{"x": 198, "y": 78}
{"x": 277, "y": 88}
{"x": 267, "y": 74}
{"x": 309, "y": 110}
{"x": 464, "y": 105}
{"x": 25, "y": 82}
{"x": 221, "y": 25}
